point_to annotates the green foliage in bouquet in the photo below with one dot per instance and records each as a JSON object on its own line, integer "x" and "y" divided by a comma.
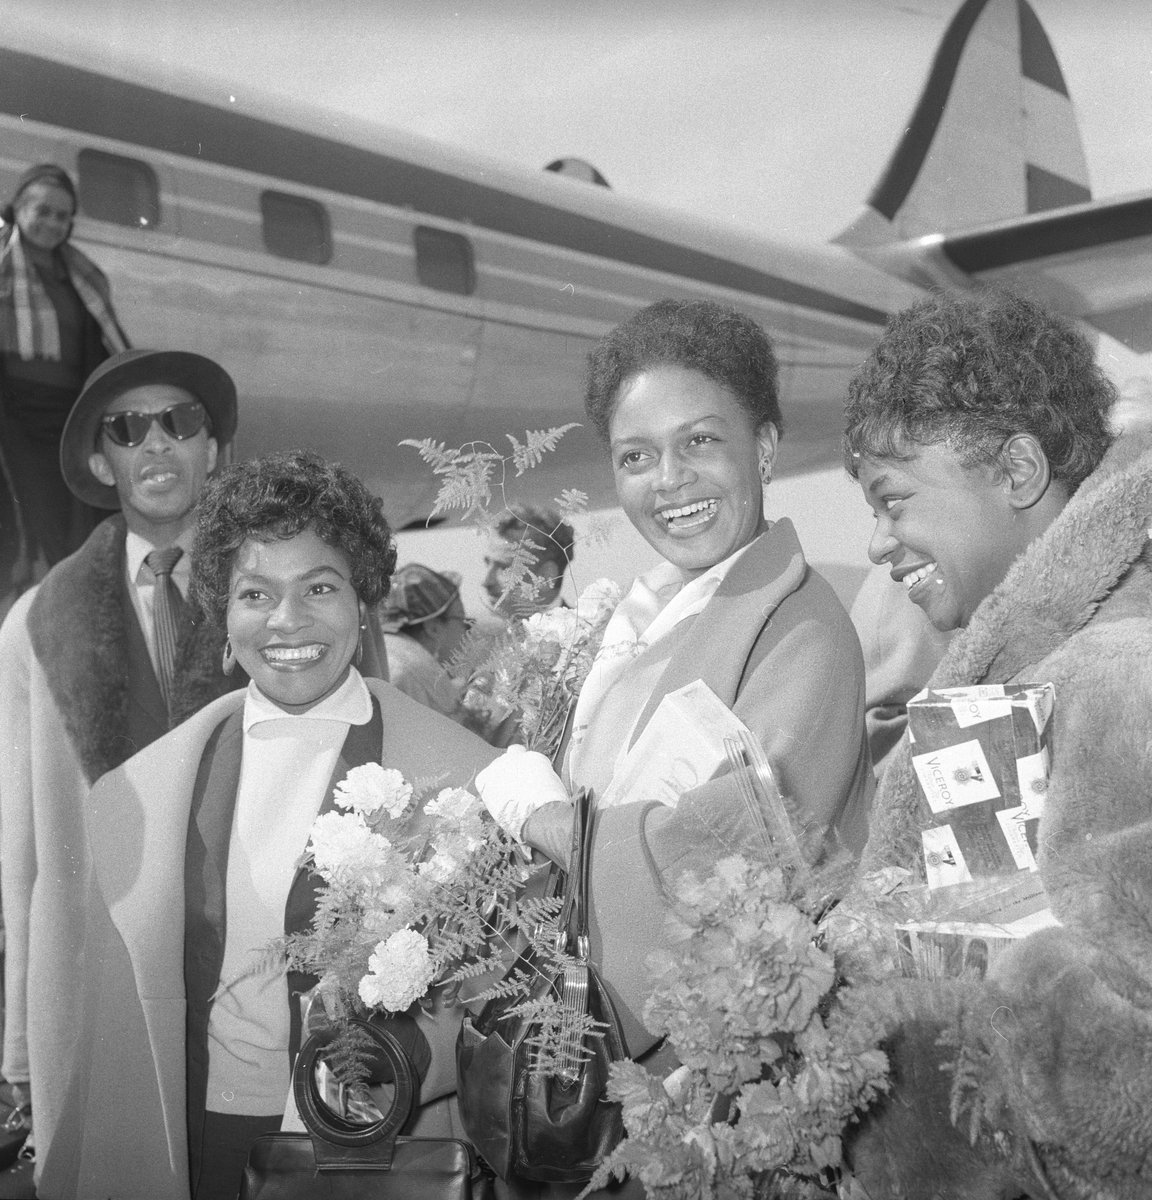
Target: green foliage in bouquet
{"x": 474, "y": 474}
{"x": 474, "y": 480}
{"x": 533, "y": 669}
{"x": 778, "y": 1053}
{"x": 559, "y": 1043}
{"x": 424, "y": 901}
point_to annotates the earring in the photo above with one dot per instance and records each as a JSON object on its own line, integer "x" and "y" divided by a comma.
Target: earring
{"x": 360, "y": 646}
{"x": 765, "y": 471}
{"x": 228, "y": 663}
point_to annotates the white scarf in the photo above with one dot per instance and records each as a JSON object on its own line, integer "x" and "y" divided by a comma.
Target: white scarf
{"x": 657, "y": 602}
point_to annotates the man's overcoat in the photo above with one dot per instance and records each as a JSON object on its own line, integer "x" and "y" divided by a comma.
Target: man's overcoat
{"x": 78, "y": 696}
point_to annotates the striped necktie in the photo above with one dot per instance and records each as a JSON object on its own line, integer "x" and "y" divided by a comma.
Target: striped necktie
{"x": 167, "y": 605}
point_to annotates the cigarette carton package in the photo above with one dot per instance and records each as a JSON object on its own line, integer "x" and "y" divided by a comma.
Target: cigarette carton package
{"x": 961, "y": 949}
{"x": 681, "y": 746}
{"x": 981, "y": 757}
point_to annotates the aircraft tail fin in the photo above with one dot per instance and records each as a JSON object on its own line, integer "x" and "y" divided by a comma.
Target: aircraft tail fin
{"x": 993, "y": 135}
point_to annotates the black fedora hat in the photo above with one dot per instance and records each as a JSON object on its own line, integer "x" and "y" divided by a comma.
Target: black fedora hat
{"x": 204, "y": 379}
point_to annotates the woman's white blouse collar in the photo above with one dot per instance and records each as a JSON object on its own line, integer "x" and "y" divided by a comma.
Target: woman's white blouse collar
{"x": 350, "y": 703}
{"x": 661, "y": 598}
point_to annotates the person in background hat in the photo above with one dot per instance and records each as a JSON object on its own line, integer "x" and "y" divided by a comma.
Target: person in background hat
{"x": 57, "y": 325}
{"x": 424, "y": 625}
{"x": 96, "y": 662}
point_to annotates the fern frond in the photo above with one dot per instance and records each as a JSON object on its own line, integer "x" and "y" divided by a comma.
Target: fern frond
{"x": 349, "y": 1054}
{"x": 435, "y": 454}
{"x": 467, "y": 483}
{"x": 598, "y": 533}
{"x": 539, "y": 442}
{"x": 571, "y": 501}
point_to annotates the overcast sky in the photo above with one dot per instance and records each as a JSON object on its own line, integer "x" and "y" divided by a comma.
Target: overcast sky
{"x": 777, "y": 115}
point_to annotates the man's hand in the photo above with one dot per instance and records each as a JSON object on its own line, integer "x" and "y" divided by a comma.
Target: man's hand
{"x": 549, "y": 830}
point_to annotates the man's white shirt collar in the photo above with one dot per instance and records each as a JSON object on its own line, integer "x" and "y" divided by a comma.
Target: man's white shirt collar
{"x": 138, "y": 548}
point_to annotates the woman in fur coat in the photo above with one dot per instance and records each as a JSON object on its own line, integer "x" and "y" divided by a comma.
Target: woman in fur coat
{"x": 978, "y": 430}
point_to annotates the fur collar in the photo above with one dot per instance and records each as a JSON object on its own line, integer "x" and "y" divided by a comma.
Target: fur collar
{"x": 1094, "y": 551}
{"x": 78, "y": 626}
{"x": 1056, "y": 586}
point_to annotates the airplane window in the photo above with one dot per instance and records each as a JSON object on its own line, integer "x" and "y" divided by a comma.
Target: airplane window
{"x": 296, "y": 227}
{"x": 444, "y": 260}
{"x": 122, "y": 190}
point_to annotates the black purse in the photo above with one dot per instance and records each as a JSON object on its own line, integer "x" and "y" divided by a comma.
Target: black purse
{"x": 340, "y": 1160}
{"x": 552, "y": 1128}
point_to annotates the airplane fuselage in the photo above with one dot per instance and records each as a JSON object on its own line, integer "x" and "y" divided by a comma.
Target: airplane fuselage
{"x": 363, "y": 286}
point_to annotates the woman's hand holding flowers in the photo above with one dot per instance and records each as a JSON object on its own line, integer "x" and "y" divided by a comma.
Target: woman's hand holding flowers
{"x": 516, "y": 785}
{"x": 549, "y": 830}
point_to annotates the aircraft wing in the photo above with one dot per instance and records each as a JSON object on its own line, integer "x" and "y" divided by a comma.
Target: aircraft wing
{"x": 1091, "y": 261}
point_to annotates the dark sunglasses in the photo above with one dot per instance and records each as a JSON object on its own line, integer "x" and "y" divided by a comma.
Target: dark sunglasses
{"x": 181, "y": 421}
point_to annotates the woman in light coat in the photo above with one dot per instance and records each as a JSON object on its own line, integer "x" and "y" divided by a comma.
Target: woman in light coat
{"x": 189, "y": 1030}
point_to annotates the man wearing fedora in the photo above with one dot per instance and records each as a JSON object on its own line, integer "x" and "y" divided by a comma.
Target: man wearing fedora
{"x": 99, "y": 660}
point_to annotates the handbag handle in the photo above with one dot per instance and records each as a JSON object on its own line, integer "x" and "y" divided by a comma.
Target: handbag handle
{"x": 572, "y": 924}
{"x": 322, "y": 1123}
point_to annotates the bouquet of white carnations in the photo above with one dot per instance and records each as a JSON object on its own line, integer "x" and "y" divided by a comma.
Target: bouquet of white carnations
{"x": 417, "y": 894}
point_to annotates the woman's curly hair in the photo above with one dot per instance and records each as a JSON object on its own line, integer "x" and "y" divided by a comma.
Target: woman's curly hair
{"x": 279, "y": 496}
{"x": 972, "y": 371}
{"x": 719, "y": 342}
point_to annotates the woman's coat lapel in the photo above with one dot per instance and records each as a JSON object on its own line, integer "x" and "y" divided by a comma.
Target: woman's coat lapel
{"x": 138, "y": 847}
{"x": 770, "y": 570}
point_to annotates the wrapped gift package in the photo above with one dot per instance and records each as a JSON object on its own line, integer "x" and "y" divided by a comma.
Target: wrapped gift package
{"x": 981, "y": 757}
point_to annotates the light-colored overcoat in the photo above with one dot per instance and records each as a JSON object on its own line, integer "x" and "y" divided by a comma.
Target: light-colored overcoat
{"x": 78, "y": 696}
{"x": 122, "y": 1130}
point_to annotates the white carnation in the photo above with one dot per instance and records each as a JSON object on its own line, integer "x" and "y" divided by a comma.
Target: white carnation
{"x": 371, "y": 787}
{"x": 392, "y": 896}
{"x": 400, "y": 970}
{"x": 344, "y": 848}
{"x": 374, "y": 991}
{"x": 553, "y": 625}
{"x": 439, "y": 868}
{"x": 598, "y": 601}
{"x": 456, "y": 804}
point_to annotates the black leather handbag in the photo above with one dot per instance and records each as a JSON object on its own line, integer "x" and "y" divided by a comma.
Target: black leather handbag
{"x": 552, "y": 1128}
{"x": 340, "y": 1160}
